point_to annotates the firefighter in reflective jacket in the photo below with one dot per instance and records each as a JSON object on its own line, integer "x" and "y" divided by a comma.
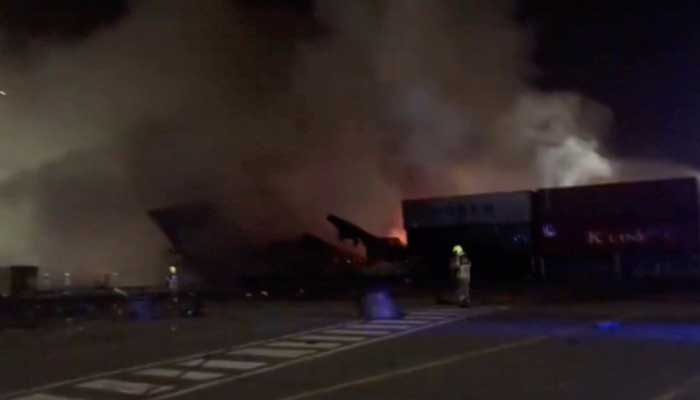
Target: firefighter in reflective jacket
{"x": 461, "y": 270}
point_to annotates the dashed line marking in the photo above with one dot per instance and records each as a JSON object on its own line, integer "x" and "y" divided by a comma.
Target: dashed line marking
{"x": 179, "y": 374}
{"x": 201, "y": 375}
{"x": 399, "y": 322}
{"x": 224, "y": 364}
{"x": 331, "y": 338}
{"x": 276, "y": 353}
{"x": 43, "y": 388}
{"x": 366, "y": 332}
{"x": 379, "y": 326}
{"x": 181, "y": 392}
{"x": 434, "y": 315}
{"x": 305, "y": 345}
{"x": 409, "y": 370}
{"x": 429, "y": 318}
{"x": 125, "y": 387}
{"x": 193, "y": 373}
{"x": 161, "y": 372}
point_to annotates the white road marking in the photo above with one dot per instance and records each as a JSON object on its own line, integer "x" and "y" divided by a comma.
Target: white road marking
{"x": 379, "y": 336}
{"x": 125, "y": 387}
{"x": 378, "y": 326}
{"x": 405, "y": 371}
{"x": 180, "y": 374}
{"x": 331, "y": 338}
{"x": 427, "y": 314}
{"x": 44, "y": 396}
{"x": 192, "y": 389}
{"x": 160, "y": 372}
{"x": 197, "y": 362}
{"x": 224, "y": 364}
{"x": 442, "y": 310}
{"x": 201, "y": 375}
{"x": 450, "y": 360}
{"x": 680, "y": 390}
{"x": 305, "y": 345}
{"x": 366, "y": 332}
{"x": 398, "y": 321}
{"x": 276, "y": 353}
{"x": 429, "y": 318}
{"x": 12, "y": 395}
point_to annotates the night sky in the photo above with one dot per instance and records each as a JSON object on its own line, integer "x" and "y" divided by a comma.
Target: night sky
{"x": 638, "y": 58}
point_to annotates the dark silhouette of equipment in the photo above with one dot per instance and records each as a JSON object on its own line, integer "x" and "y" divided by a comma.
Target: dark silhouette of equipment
{"x": 377, "y": 248}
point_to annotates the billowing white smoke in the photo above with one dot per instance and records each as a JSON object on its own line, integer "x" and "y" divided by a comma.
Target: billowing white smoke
{"x": 573, "y": 162}
{"x": 563, "y": 130}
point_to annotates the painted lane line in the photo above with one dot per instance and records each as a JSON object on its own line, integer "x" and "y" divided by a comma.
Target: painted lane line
{"x": 446, "y": 361}
{"x": 305, "y": 345}
{"x": 160, "y": 372}
{"x": 275, "y": 353}
{"x": 125, "y": 387}
{"x": 330, "y": 338}
{"x": 416, "y": 368}
{"x": 224, "y": 364}
{"x": 285, "y": 364}
{"x": 44, "y": 396}
{"x": 474, "y": 312}
{"x": 178, "y": 373}
{"x": 221, "y": 351}
{"x": 679, "y": 391}
{"x": 398, "y": 321}
{"x": 364, "y": 332}
{"x": 379, "y": 326}
{"x": 434, "y": 315}
{"x": 38, "y": 389}
{"x": 443, "y": 310}
{"x": 197, "y": 362}
{"x": 429, "y": 318}
{"x": 201, "y": 375}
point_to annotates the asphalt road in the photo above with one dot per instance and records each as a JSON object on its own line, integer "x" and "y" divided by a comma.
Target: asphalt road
{"x": 601, "y": 351}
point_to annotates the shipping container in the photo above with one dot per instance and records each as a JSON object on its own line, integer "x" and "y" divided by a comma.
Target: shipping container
{"x": 505, "y": 208}
{"x": 619, "y": 231}
{"x": 611, "y": 232}
{"x": 495, "y": 229}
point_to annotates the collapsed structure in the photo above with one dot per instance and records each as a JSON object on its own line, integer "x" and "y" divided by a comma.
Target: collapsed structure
{"x": 219, "y": 257}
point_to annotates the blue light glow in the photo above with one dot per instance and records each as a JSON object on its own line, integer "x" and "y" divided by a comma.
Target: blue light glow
{"x": 380, "y": 305}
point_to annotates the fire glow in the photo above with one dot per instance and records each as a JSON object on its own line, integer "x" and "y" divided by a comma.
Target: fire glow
{"x": 398, "y": 233}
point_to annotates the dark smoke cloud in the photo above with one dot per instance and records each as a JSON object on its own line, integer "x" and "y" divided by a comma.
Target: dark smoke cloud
{"x": 182, "y": 101}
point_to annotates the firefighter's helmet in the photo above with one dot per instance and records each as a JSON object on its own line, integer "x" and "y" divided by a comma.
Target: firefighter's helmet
{"x": 457, "y": 250}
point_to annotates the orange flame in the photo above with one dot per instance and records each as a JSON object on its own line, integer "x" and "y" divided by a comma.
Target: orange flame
{"x": 398, "y": 233}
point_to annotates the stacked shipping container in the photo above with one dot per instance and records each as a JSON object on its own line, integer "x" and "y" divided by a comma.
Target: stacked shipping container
{"x": 612, "y": 231}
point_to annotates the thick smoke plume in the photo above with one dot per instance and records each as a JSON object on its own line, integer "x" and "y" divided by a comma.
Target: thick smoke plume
{"x": 179, "y": 101}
